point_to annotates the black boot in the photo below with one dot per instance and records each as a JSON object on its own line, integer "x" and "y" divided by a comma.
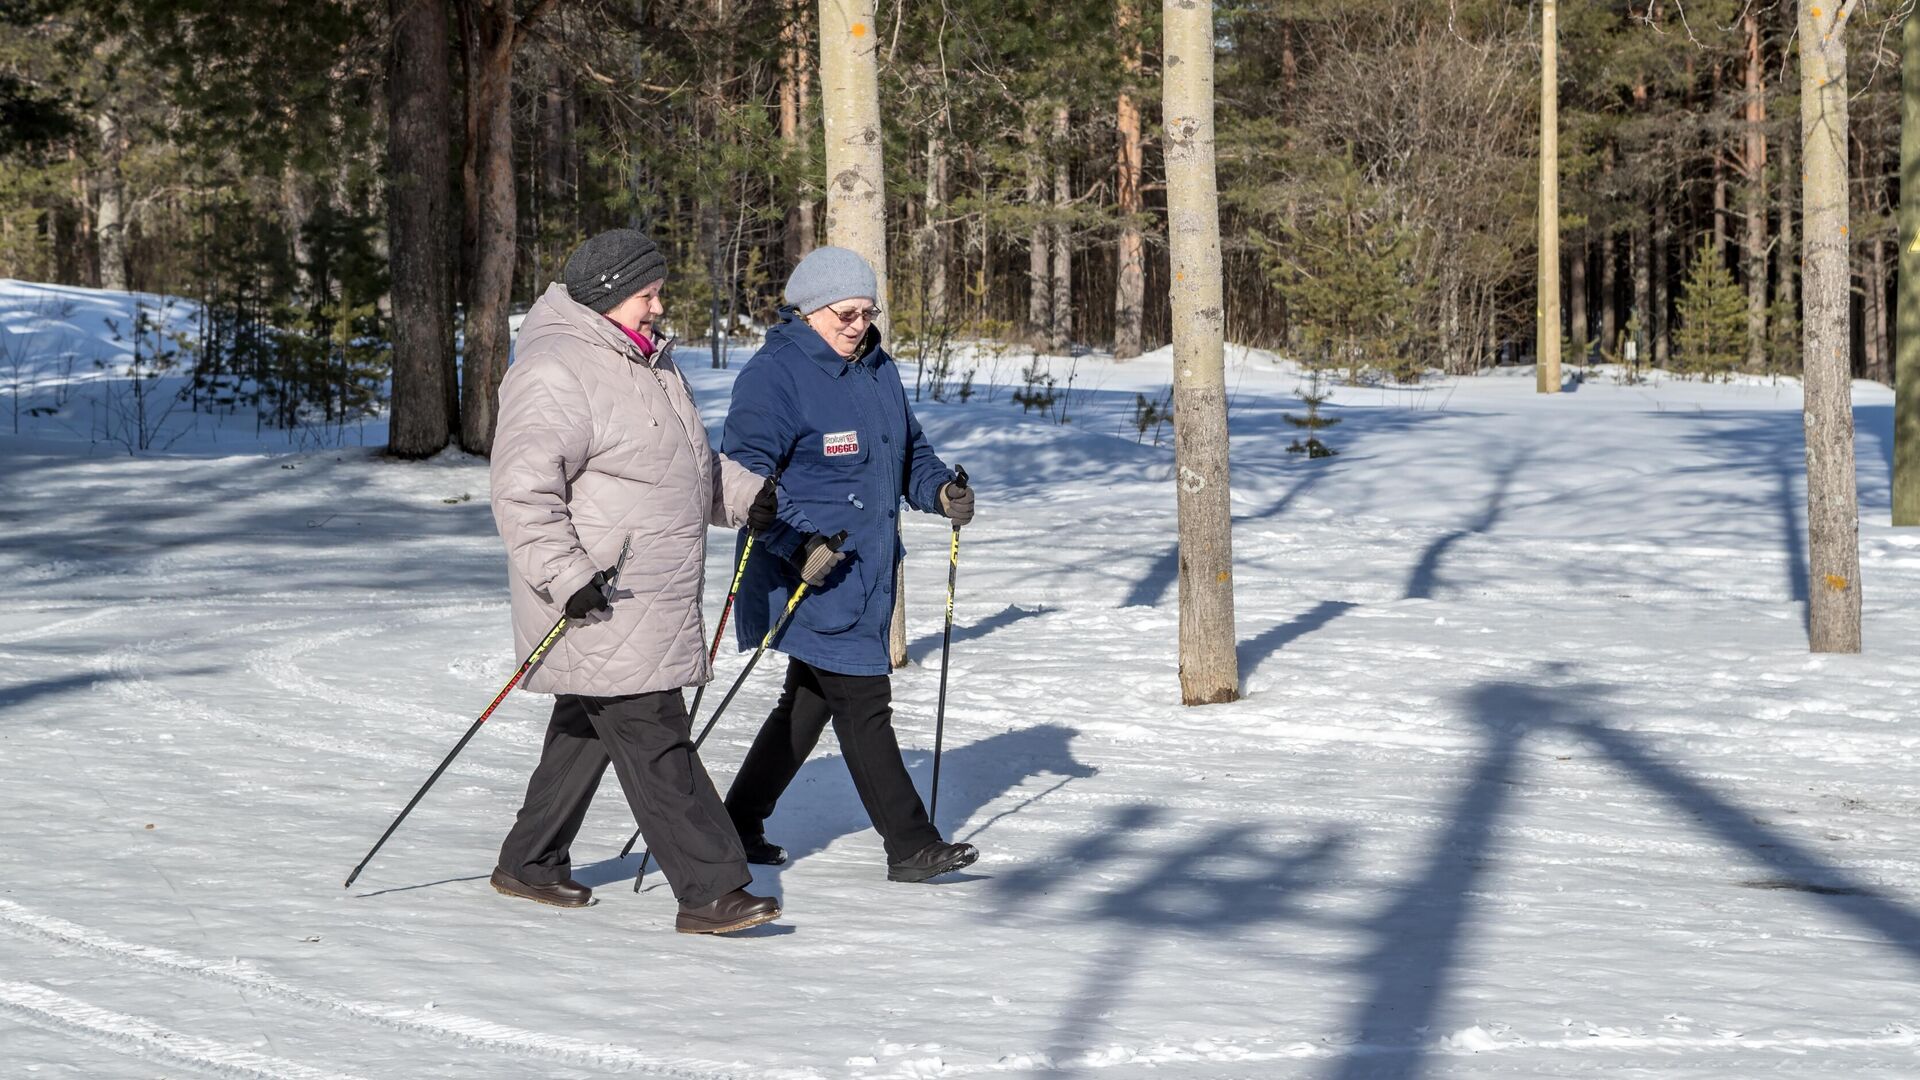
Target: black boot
{"x": 761, "y": 853}
{"x": 737, "y": 910}
{"x": 933, "y": 860}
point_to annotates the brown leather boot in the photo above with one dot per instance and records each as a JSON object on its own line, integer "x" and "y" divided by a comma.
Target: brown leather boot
{"x": 737, "y": 910}
{"x": 560, "y": 894}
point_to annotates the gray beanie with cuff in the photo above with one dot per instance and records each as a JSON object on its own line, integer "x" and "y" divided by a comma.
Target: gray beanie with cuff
{"x": 829, "y": 275}
{"x": 611, "y": 267}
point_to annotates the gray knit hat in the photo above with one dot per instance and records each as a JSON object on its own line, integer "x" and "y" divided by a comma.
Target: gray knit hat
{"x": 829, "y": 275}
{"x": 611, "y": 267}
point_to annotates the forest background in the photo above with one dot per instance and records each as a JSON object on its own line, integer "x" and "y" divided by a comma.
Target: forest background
{"x": 317, "y": 174}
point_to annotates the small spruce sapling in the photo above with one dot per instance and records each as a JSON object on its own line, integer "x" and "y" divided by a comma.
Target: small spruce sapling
{"x": 1314, "y": 395}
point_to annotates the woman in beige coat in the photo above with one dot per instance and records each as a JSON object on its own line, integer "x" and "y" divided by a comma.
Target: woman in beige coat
{"x": 599, "y": 441}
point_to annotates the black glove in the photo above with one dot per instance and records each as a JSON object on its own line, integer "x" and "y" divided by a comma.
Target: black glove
{"x": 765, "y": 510}
{"x": 818, "y": 556}
{"x": 956, "y": 499}
{"x": 589, "y": 598}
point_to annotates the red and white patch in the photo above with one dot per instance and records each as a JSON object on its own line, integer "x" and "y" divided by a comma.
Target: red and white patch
{"x": 841, "y": 443}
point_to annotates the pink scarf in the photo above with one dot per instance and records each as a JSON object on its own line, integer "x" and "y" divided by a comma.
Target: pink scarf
{"x": 639, "y": 339}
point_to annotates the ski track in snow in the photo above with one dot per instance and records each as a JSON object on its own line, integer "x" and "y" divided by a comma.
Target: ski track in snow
{"x": 1532, "y": 776}
{"x": 29, "y": 1004}
{"x": 465, "y": 1030}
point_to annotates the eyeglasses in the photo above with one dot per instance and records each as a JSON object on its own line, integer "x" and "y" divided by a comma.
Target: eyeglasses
{"x": 846, "y": 318}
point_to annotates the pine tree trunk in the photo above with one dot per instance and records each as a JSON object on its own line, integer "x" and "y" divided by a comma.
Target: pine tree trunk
{"x": 1609, "y": 300}
{"x": 1754, "y": 163}
{"x": 1577, "y": 328}
{"x": 1209, "y": 668}
{"x": 1640, "y": 256}
{"x": 1039, "y": 295}
{"x": 856, "y": 182}
{"x": 794, "y": 91}
{"x": 790, "y": 124}
{"x": 1906, "y": 403}
{"x": 1833, "y": 516}
{"x": 487, "y": 172}
{"x": 110, "y": 216}
{"x": 1130, "y": 278}
{"x": 1719, "y": 174}
{"x": 1547, "y": 283}
{"x": 551, "y": 229}
{"x": 419, "y": 224}
{"x": 1060, "y": 311}
{"x": 1874, "y": 313}
{"x": 1786, "y": 261}
{"x": 1662, "y": 271}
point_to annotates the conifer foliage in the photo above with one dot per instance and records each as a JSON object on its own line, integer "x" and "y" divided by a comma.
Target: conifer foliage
{"x": 1712, "y": 335}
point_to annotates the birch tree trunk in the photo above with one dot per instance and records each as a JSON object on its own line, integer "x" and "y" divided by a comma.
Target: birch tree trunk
{"x": 110, "y": 213}
{"x": 1754, "y": 163}
{"x": 850, "y": 113}
{"x": 1833, "y": 515}
{"x": 1130, "y": 280}
{"x": 856, "y": 183}
{"x": 1209, "y": 668}
{"x": 1060, "y": 312}
{"x": 1547, "y": 310}
{"x": 1906, "y": 402}
{"x": 939, "y": 245}
{"x": 419, "y": 222}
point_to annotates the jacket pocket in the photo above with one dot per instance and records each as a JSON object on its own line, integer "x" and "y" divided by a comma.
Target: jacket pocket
{"x": 839, "y": 606}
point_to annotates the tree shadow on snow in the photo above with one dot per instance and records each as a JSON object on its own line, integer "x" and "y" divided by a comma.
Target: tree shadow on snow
{"x": 928, "y": 645}
{"x": 1222, "y": 883}
{"x": 1164, "y": 571}
{"x": 1770, "y": 449}
{"x": 1421, "y": 934}
{"x": 1876, "y": 423}
{"x": 1253, "y": 652}
{"x": 1425, "y": 576}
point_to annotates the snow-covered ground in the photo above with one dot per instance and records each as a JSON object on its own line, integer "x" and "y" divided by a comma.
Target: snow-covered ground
{"x": 1533, "y": 775}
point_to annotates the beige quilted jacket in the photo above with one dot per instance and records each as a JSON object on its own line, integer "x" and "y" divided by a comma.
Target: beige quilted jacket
{"x": 595, "y": 443}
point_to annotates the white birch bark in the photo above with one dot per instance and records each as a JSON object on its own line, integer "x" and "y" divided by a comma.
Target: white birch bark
{"x": 1833, "y": 512}
{"x": 856, "y": 184}
{"x": 1209, "y": 669}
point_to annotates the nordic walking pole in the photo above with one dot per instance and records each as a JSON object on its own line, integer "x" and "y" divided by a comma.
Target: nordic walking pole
{"x": 792, "y": 602}
{"x": 712, "y": 651}
{"x": 946, "y": 646}
{"x": 540, "y": 650}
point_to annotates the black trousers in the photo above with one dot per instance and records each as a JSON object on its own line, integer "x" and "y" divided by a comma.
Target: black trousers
{"x": 861, "y": 708}
{"x": 646, "y": 738}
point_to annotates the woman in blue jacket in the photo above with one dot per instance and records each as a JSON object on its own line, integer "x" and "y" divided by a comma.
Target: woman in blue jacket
{"x": 822, "y": 407}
